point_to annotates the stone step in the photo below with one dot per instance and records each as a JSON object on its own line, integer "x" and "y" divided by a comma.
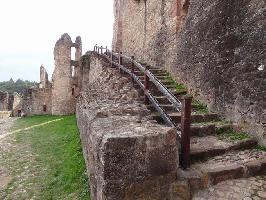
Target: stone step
{"x": 195, "y": 118}
{"x": 155, "y": 73}
{"x": 163, "y": 81}
{"x": 177, "y": 93}
{"x": 166, "y": 107}
{"x": 156, "y": 70}
{"x": 205, "y": 129}
{"x": 232, "y": 165}
{"x": 209, "y": 146}
{"x": 158, "y": 77}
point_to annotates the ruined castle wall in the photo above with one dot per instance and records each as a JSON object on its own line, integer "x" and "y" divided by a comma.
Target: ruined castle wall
{"x": 44, "y": 82}
{"x": 4, "y": 101}
{"x": 147, "y": 29}
{"x": 63, "y": 101}
{"x": 218, "y": 50}
{"x": 127, "y": 155}
{"x": 17, "y": 104}
{"x": 221, "y": 56}
{"x": 37, "y": 102}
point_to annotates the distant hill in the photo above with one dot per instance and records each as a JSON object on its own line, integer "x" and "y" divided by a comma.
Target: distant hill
{"x": 18, "y": 86}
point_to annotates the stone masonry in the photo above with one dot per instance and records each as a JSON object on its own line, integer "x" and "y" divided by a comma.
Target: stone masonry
{"x": 4, "y": 101}
{"x": 57, "y": 97}
{"x": 127, "y": 155}
{"x": 216, "y": 48}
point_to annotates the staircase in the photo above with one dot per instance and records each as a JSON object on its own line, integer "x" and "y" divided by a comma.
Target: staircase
{"x": 217, "y": 151}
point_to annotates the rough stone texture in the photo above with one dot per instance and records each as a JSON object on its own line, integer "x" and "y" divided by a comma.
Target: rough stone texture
{"x": 59, "y": 96}
{"x": 215, "y": 47}
{"x": 253, "y": 188}
{"x": 35, "y": 99}
{"x": 4, "y": 101}
{"x": 5, "y": 114}
{"x": 232, "y": 165}
{"x": 220, "y": 56}
{"x": 44, "y": 82}
{"x": 127, "y": 155}
{"x": 148, "y": 29}
{"x": 17, "y": 104}
{"x": 63, "y": 101}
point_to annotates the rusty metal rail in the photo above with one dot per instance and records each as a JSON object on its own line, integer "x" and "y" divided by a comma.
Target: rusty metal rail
{"x": 183, "y": 131}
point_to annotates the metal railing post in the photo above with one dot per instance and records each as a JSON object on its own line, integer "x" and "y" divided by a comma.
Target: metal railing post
{"x": 112, "y": 58}
{"x": 146, "y": 86}
{"x": 101, "y": 49}
{"x": 120, "y": 60}
{"x": 132, "y": 68}
{"x": 106, "y": 50}
{"x": 185, "y": 131}
{"x": 98, "y": 50}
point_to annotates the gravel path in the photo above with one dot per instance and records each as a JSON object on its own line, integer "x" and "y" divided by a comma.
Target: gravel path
{"x": 5, "y": 125}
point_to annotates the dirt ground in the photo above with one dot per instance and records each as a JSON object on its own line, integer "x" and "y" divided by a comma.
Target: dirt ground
{"x": 5, "y": 125}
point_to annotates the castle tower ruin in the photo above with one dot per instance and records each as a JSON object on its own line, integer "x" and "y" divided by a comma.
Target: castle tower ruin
{"x": 65, "y": 80}
{"x": 44, "y": 83}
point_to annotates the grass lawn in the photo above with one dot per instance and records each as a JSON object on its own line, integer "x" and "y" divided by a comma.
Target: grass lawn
{"x": 45, "y": 162}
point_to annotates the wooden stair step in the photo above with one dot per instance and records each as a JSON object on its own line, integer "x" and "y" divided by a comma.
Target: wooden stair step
{"x": 209, "y": 146}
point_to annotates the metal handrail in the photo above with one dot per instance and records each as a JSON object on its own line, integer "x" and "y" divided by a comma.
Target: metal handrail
{"x": 176, "y": 103}
{"x": 185, "y": 107}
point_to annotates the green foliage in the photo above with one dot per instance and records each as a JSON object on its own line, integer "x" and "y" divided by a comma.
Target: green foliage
{"x": 261, "y": 148}
{"x": 231, "y": 134}
{"x": 11, "y": 86}
{"x": 58, "y": 149}
{"x": 200, "y": 107}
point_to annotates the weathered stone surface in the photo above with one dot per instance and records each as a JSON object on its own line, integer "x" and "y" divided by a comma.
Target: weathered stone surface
{"x": 247, "y": 189}
{"x": 127, "y": 156}
{"x": 44, "y": 82}
{"x": 63, "y": 102}
{"x": 59, "y": 96}
{"x": 215, "y": 47}
{"x": 35, "y": 99}
{"x": 4, "y": 101}
{"x": 232, "y": 165}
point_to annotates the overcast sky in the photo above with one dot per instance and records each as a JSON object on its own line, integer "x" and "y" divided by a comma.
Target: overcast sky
{"x": 30, "y": 28}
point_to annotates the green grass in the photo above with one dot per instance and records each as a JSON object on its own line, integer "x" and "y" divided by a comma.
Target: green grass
{"x": 57, "y": 150}
{"x": 231, "y": 134}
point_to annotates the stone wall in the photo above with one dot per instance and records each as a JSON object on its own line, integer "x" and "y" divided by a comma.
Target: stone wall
{"x": 37, "y": 101}
{"x": 44, "y": 82}
{"x": 215, "y": 47}
{"x": 17, "y": 104}
{"x": 221, "y": 56}
{"x": 5, "y": 114}
{"x": 65, "y": 79}
{"x": 127, "y": 155}
{"x": 4, "y": 101}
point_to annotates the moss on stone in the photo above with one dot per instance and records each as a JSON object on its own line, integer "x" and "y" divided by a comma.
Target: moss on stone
{"x": 231, "y": 134}
{"x": 178, "y": 86}
{"x": 200, "y": 107}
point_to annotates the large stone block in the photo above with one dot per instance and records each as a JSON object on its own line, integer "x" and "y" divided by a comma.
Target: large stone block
{"x": 127, "y": 156}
